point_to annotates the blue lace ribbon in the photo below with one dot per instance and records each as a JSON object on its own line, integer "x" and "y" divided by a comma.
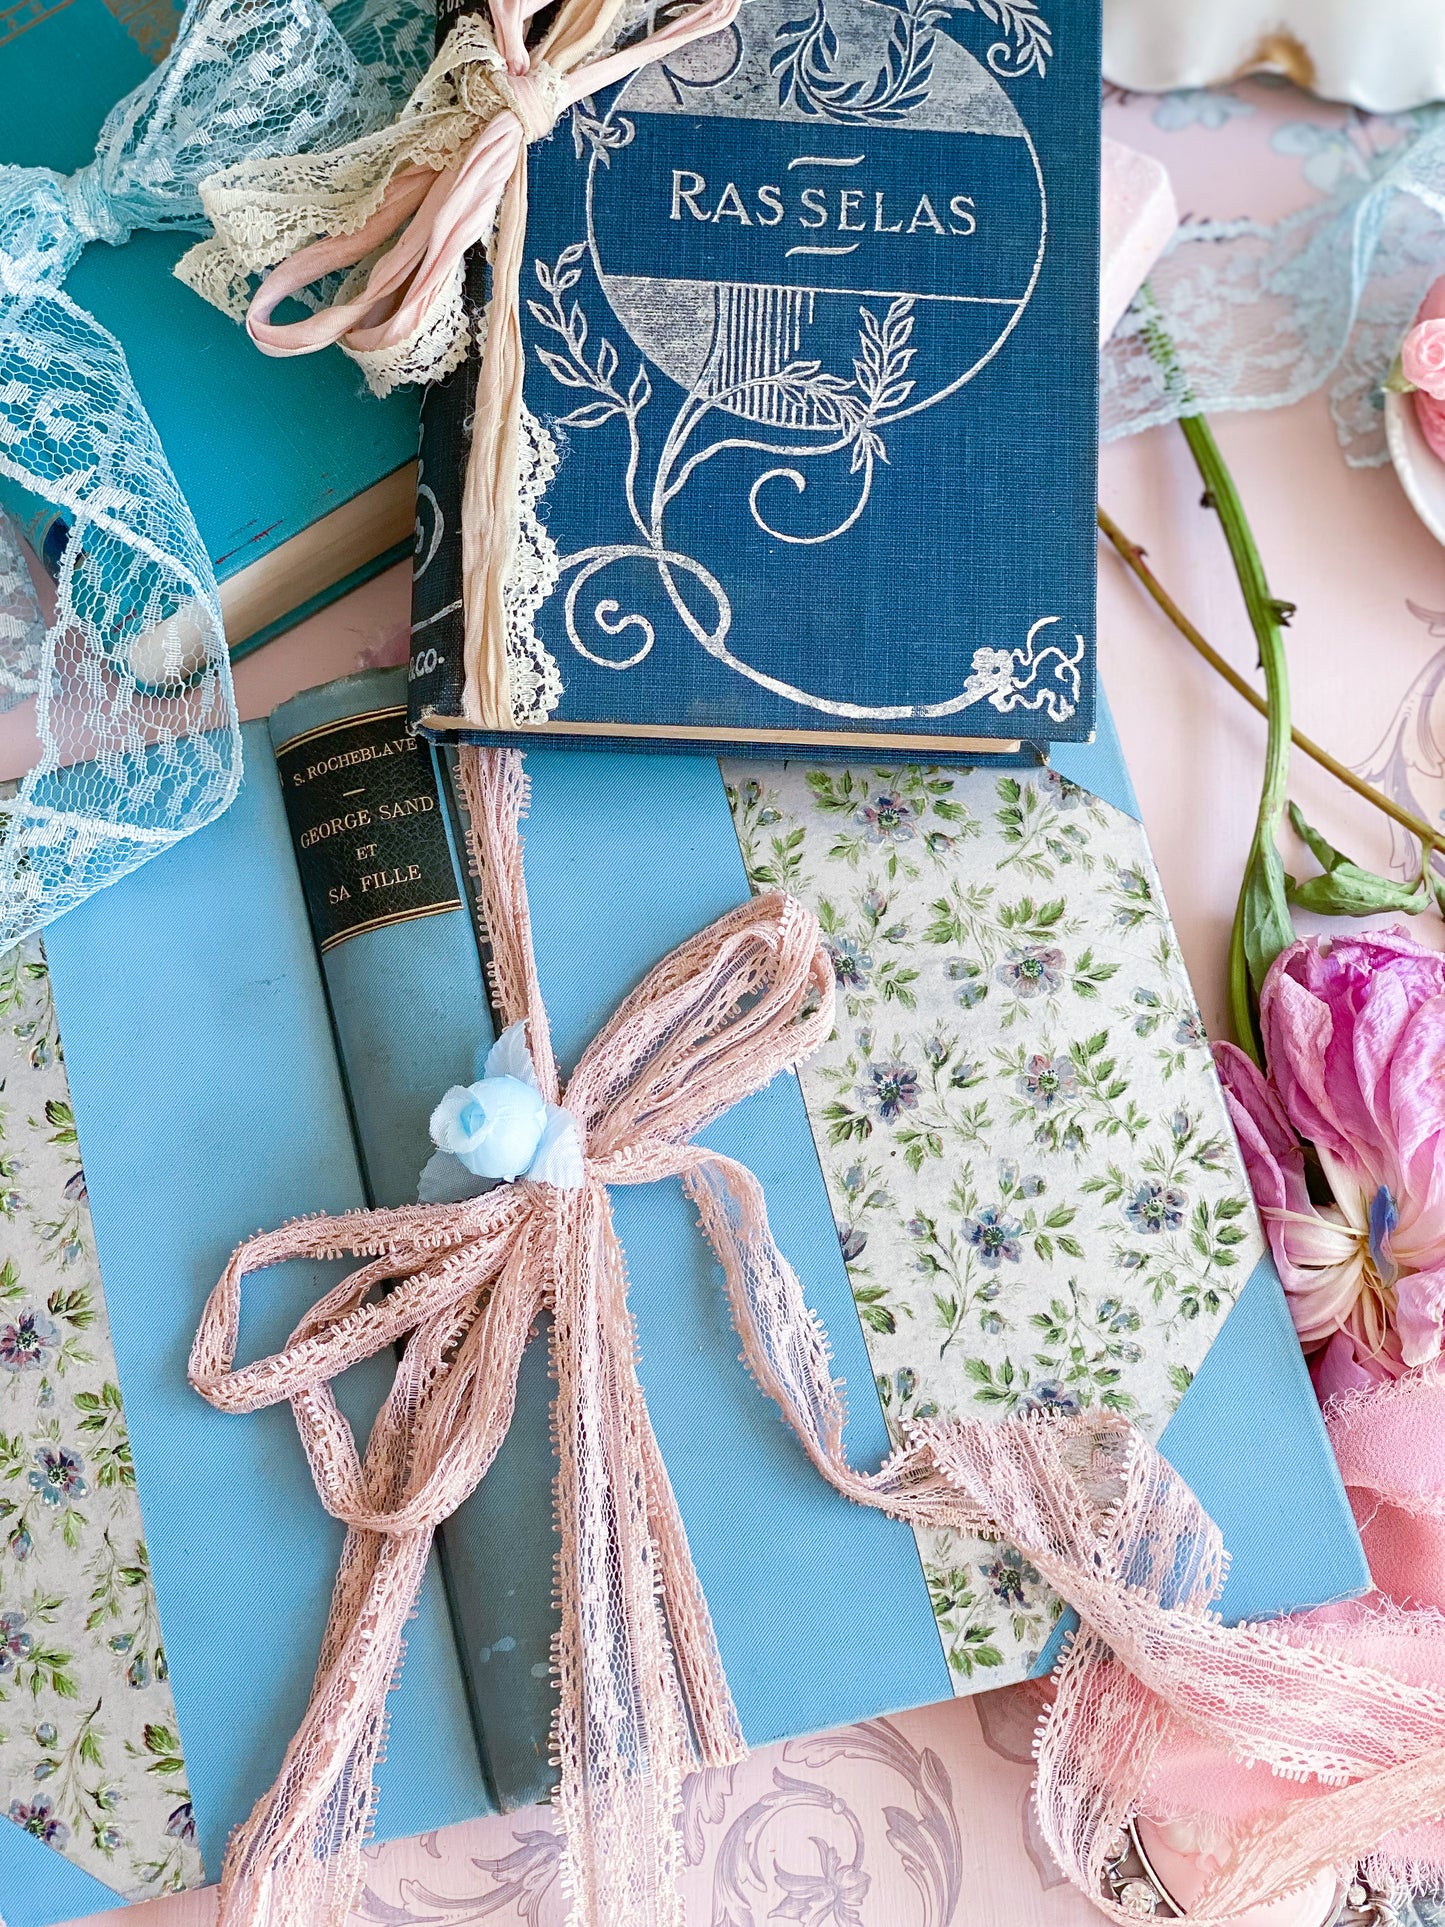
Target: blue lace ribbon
{"x": 1258, "y": 317}
{"x": 135, "y": 709}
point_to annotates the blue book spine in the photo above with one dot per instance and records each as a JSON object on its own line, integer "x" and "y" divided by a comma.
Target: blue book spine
{"x": 374, "y": 829}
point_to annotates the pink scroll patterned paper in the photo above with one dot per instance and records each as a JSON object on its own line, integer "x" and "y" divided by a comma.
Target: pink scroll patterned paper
{"x": 919, "y": 1821}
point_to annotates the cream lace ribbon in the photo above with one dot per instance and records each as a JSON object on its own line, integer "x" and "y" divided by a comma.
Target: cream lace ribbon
{"x": 449, "y": 174}
{"x": 642, "y": 1696}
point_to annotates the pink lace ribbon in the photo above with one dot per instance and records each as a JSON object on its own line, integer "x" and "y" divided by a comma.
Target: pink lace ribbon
{"x": 642, "y": 1696}
{"x": 1386, "y": 1814}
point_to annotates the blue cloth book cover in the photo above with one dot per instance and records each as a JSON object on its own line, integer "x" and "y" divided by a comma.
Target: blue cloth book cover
{"x": 810, "y": 319}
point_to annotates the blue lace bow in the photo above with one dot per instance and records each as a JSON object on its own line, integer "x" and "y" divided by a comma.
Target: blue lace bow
{"x": 135, "y": 710}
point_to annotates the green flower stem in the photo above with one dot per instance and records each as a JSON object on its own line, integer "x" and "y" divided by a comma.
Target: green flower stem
{"x": 1133, "y": 558}
{"x": 1262, "y": 923}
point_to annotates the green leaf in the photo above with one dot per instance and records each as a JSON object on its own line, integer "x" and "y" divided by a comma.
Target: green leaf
{"x": 1347, "y": 889}
{"x": 1268, "y": 927}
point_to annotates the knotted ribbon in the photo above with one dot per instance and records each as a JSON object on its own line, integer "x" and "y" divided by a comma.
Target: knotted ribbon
{"x": 642, "y": 1695}
{"x": 450, "y": 174}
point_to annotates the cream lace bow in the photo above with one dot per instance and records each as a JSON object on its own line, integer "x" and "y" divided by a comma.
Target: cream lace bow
{"x": 450, "y": 174}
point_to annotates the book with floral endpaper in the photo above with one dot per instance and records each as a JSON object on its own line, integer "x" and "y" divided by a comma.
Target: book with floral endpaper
{"x": 1007, "y": 1182}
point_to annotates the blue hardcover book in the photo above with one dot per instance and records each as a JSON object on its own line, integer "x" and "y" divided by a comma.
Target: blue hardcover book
{"x": 810, "y": 322}
{"x": 1007, "y": 1183}
{"x": 302, "y": 484}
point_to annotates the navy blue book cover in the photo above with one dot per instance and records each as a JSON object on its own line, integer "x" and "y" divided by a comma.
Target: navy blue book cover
{"x": 811, "y": 326}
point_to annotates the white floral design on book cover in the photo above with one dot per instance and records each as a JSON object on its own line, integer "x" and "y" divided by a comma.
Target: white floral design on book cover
{"x": 1037, "y": 1192}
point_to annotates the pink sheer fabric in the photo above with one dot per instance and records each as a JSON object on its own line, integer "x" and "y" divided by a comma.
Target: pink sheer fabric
{"x": 1387, "y": 1439}
{"x": 642, "y": 1696}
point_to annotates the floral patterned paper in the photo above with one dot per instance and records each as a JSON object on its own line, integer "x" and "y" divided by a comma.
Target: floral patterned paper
{"x": 1037, "y": 1191}
{"x": 90, "y": 1761}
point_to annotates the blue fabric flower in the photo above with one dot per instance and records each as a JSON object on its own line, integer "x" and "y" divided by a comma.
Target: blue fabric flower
{"x": 493, "y": 1126}
{"x": 500, "y": 1128}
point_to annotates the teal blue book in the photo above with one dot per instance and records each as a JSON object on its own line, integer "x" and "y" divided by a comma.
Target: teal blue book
{"x": 809, "y": 318}
{"x": 302, "y": 484}
{"x": 257, "y": 1023}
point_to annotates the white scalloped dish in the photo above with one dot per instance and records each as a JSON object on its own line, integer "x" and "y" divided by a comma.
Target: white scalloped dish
{"x": 1383, "y": 55}
{"x": 1421, "y": 473}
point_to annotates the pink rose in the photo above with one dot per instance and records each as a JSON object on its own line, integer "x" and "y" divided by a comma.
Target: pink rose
{"x": 1430, "y": 414}
{"x": 1354, "y": 1037}
{"x": 1424, "y": 349}
{"x": 1422, "y": 358}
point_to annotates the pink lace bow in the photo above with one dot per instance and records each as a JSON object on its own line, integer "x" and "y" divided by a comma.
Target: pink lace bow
{"x": 642, "y": 1696}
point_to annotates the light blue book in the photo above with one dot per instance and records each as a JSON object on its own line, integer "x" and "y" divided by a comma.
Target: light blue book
{"x": 984, "y": 938}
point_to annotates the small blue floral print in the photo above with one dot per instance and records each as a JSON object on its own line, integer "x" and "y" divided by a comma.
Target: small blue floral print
{"x": 1024, "y": 1185}
{"x": 1189, "y": 1031}
{"x": 851, "y": 1242}
{"x": 888, "y": 818}
{"x": 994, "y": 1237}
{"x": 46, "y": 1734}
{"x": 15, "y": 1642}
{"x": 59, "y": 1479}
{"x": 1199, "y": 107}
{"x": 966, "y": 974}
{"x": 1047, "y": 1081}
{"x": 1030, "y": 968}
{"x": 182, "y": 1823}
{"x": 891, "y": 1089}
{"x": 1009, "y": 1576}
{"x": 1133, "y": 886}
{"x": 1050, "y": 1396}
{"x": 28, "y": 1344}
{"x": 1156, "y": 1207}
{"x": 852, "y": 964}
{"x": 38, "y": 1817}
{"x": 1064, "y": 794}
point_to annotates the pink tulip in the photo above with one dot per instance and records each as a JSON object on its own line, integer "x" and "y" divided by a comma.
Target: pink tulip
{"x": 1354, "y": 1039}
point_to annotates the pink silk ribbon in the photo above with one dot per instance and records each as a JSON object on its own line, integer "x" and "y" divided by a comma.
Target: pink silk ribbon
{"x": 441, "y": 216}
{"x": 642, "y": 1697}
